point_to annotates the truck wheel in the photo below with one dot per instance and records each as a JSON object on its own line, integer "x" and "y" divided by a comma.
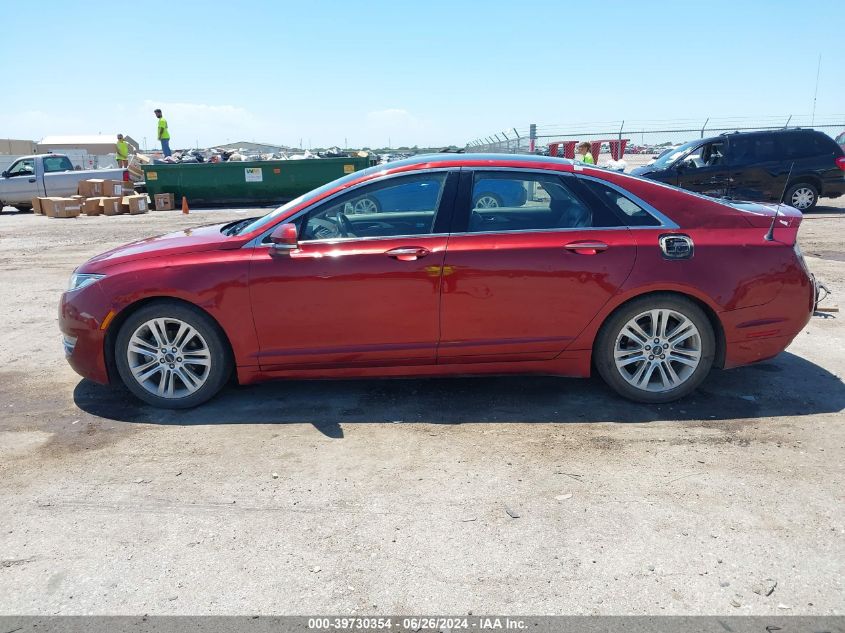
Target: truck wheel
{"x": 23, "y": 209}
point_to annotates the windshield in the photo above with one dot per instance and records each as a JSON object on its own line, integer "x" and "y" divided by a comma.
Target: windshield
{"x": 266, "y": 220}
{"x": 674, "y": 154}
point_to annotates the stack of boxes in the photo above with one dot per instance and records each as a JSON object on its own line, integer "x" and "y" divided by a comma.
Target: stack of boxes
{"x": 95, "y": 197}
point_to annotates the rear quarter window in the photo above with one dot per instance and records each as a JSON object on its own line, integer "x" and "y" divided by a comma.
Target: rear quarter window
{"x": 631, "y": 213}
{"x": 799, "y": 145}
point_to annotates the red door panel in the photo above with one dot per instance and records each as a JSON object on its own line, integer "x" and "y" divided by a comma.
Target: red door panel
{"x": 348, "y": 303}
{"x": 527, "y": 295}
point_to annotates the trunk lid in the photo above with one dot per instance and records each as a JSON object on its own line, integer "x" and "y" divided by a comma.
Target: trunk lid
{"x": 760, "y": 215}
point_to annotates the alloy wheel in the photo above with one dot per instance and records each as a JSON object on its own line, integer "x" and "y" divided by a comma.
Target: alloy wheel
{"x": 365, "y": 205}
{"x": 168, "y": 358}
{"x": 486, "y": 202}
{"x": 658, "y": 350}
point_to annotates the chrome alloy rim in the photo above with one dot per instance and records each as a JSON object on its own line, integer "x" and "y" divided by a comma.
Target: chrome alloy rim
{"x": 169, "y": 358}
{"x": 364, "y": 205}
{"x": 486, "y": 202}
{"x": 657, "y": 350}
{"x": 802, "y": 198}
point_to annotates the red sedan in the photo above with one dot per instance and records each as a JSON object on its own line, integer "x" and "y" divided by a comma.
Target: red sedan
{"x": 649, "y": 284}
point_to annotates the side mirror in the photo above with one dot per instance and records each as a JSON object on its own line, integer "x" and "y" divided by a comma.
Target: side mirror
{"x": 5, "y": 174}
{"x": 284, "y": 239}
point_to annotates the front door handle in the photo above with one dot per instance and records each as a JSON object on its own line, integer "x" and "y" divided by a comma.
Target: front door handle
{"x": 32, "y": 180}
{"x": 408, "y": 253}
{"x": 586, "y": 248}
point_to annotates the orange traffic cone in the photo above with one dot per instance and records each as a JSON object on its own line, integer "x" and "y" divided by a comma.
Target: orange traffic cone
{"x": 185, "y": 209}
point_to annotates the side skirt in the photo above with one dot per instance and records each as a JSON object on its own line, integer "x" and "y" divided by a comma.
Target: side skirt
{"x": 574, "y": 364}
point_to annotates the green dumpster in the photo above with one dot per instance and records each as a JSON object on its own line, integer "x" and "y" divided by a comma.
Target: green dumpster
{"x": 253, "y": 182}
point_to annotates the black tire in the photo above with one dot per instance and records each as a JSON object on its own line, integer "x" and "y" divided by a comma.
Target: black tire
{"x": 797, "y": 190}
{"x": 23, "y": 209}
{"x": 221, "y": 364}
{"x": 605, "y": 345}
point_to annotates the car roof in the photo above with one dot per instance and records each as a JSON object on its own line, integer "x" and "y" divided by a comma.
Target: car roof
{"x": 479, "y": 160}
{"x": 786, "y": 130}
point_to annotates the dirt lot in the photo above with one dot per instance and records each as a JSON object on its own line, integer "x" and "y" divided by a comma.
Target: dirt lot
{"x": 494, "y": 495}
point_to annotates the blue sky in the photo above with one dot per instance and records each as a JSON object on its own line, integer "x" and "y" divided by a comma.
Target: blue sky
{"x": 433, "y": 72}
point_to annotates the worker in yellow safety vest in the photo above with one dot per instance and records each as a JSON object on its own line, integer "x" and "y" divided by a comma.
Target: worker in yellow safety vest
{"x": 122, "y": 152}
{"x": 582, "y": 153}
{"x": 163, "y": 134}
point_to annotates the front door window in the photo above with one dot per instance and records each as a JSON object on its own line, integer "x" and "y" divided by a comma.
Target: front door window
{"x": 24, "y": 167}
{"x": 405, "y": 205}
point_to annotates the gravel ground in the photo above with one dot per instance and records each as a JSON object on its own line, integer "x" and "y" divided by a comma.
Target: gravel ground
{"x": 494, "y": 495}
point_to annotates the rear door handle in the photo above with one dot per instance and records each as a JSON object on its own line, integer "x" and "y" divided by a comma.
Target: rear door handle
{"x": 32, "y": 180}
{"x": 408, "y": 253}
{"x": 586, "y": 248}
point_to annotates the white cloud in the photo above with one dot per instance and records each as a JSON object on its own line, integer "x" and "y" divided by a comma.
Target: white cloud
{"x": 206, "y": 123}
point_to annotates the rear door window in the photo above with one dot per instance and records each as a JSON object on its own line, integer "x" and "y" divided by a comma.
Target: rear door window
{"x": 505, "y": 201}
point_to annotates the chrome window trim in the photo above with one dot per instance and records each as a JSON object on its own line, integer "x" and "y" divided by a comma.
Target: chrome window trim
{"x": 258, "y": 241}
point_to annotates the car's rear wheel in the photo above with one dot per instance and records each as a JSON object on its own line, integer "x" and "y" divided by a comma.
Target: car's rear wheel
{"x": 803, "y": 196}
{"x": 172, "y": 355}
{"x": 655, "y": 349}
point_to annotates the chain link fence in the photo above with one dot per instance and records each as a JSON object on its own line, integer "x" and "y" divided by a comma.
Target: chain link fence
{"x": 643, "y": 139}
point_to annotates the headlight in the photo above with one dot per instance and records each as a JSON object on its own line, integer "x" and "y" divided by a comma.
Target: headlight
{"x": 78, "y": 281}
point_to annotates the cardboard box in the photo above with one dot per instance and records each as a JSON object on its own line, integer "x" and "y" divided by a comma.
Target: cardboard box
{"x": 110, "y": 205}
{"x": 135, "y": 204}
{"x": 91, "y": 188}
{"x": 48, "y": 206}
{"x": 93, "y": 206}
{"x": 61, "y": 207}
{"x": 164, "y": 202}
{"x": 114, "y": 188}
{"x": 36, "y": 205}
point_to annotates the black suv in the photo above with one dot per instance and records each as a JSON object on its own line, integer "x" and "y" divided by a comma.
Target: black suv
{"x": 755, "y": 166}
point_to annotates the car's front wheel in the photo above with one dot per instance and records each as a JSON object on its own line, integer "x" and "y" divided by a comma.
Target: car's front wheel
{"x": 802, "y": 196}
{"x": 656, "y": 349}
{"x": 172, "y": 355}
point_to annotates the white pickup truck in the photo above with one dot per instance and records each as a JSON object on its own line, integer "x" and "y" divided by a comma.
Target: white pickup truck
{"x": 46, "y": 175}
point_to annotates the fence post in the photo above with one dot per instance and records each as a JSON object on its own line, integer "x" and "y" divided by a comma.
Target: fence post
{"x": 787, "y": 121}
{"x": 704, "y": 126}
{"x": 621, "y": 127}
